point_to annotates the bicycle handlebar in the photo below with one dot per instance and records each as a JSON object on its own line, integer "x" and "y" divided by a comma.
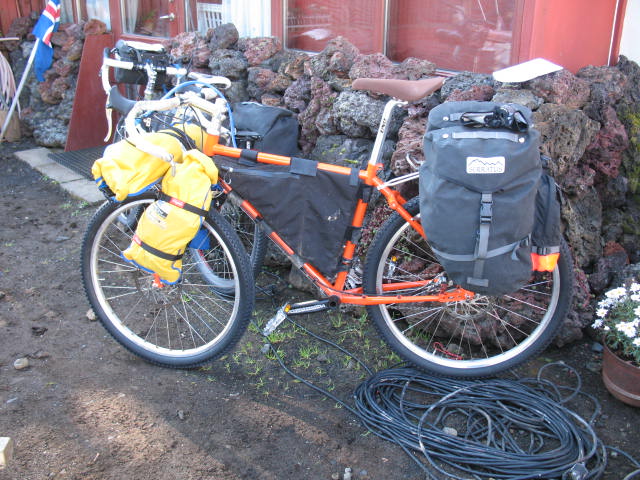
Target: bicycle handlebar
{"x": 107, "y": 62}
{"x": 200, "y": 102}
{"x": 127, "y": 65}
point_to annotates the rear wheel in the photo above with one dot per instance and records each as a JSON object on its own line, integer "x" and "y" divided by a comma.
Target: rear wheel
{"x": 182, "y": 325}
{"x": 478, "y": 337}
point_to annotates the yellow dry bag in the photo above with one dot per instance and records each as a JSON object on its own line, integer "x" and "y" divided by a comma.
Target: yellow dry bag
{"x": 128, "y": 171}
{"x": 168, "y": 224}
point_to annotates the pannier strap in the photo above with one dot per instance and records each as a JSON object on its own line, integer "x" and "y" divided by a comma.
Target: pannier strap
{"x": 354, "y": 177}
{"x": 482, "y": 252}
{"x": 479, "y": 263}
{"x": 491, "y": 253}
{"x": 491, "y": 135}
{"x": 249, "y": 154}
{"x": 155, "y": 251}
{"x": 176, "y": 202}
{"x": 545, "y": 250}
{"x": 302, "y": 166}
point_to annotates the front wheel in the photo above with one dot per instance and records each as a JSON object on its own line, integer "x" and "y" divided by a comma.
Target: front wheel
{"x": 479, "y": 337}
{"x": 181, "y": 325}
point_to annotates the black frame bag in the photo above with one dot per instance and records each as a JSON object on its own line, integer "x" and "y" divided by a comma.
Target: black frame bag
{"x": 478, "y": 187}
{"x": 310, "y": 209}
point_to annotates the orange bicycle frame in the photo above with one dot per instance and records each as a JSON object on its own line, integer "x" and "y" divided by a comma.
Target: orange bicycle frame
{"x": 336, "y": 289}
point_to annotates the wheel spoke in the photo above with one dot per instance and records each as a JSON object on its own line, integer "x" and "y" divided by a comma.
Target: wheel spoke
{"x": 174, "y": 322}
{"x": 465, "y": 338}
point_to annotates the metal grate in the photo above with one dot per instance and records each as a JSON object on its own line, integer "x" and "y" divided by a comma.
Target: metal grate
{"x": 80, "y": 161}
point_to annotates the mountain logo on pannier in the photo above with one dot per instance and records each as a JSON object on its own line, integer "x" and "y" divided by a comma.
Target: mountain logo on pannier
{"x": 483, "y": 165}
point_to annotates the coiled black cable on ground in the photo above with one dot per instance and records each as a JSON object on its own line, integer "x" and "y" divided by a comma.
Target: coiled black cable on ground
{"x": 480, "y": 429}
{"x": 496, "y": 428}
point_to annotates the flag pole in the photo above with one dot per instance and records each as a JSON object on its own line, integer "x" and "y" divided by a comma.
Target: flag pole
{"x": 16, "y": 96}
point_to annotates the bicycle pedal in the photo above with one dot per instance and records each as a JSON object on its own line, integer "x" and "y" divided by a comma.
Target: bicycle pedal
{"x": 312, "y": 306}
{"x": 275, "y": 321}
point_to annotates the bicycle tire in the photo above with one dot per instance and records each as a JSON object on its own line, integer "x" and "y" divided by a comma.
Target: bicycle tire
{"x": 476, "y": 338}
{"x": 179, "y": 326}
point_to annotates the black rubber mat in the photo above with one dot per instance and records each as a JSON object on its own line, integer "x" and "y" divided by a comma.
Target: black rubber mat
{"x": 79, "y": 161}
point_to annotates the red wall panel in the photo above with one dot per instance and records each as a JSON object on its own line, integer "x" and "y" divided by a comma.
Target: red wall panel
{"x": 12, "y": 9}
{"x": 571, "y": 33}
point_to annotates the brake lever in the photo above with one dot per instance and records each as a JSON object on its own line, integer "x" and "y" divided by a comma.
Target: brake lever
{"x": 109, "y": 113}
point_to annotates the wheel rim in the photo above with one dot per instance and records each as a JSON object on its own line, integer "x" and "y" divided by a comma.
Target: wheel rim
{"x": 481, "y": 332}
{"x": 182, "y": 320}
{"x": 220, "y": 284}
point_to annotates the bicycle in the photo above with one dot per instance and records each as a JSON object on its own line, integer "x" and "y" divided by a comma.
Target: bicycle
{"x": 149, "y": 66}
{"x": 426, "y": 320}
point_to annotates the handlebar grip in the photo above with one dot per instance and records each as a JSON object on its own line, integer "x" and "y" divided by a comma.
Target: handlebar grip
{"x": 118, "y": 102}
{"x": 223, "y": 82}
{"x": 177, "y": 72}
{"x": 112, "y": 62}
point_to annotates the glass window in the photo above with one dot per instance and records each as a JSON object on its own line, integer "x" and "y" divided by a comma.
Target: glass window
{"x": 473, "y": 35}
{"x": 252, "y": 18}
{"x": 146, "y": 17}
{"x": 311, "y": 24}
{"x": 201, "y": 15}
{"x": 99, "y": 9}
{"x": 66, "y": 11}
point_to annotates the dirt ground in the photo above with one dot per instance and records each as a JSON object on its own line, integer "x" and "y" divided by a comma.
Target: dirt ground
{"x": 86, "y": 409}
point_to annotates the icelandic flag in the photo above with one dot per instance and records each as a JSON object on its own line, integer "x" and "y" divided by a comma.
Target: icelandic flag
{"x": 48, "y": 23}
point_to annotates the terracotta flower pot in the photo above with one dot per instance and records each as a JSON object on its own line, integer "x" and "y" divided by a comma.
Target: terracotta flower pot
{"x": 621, "y": 378}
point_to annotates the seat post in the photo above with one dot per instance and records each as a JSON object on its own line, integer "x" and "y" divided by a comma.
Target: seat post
{"x": 381, "y": 136}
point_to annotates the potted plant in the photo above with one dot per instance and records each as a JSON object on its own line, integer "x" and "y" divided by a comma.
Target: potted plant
{"x": 618, "y": 320}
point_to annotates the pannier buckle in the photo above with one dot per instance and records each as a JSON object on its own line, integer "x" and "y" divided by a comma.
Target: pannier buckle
{"x": 486, "y": 211}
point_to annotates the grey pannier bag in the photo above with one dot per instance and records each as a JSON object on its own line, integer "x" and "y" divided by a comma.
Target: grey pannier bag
{"x": 478, "y": 188}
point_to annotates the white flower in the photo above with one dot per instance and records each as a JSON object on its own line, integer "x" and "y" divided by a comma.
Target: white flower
{"x": 627, "y": 328}
{"x": 635, "y": 287}
{"x": 616, "y": 293}
{"x": 606, "y": 328}
{"x": 602, "y": 312}
{"x": 635, "y": 297}
{"x": 598, "y": 323}
{"x": 636, "y": 342}
{"x": 606, "y": 303}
